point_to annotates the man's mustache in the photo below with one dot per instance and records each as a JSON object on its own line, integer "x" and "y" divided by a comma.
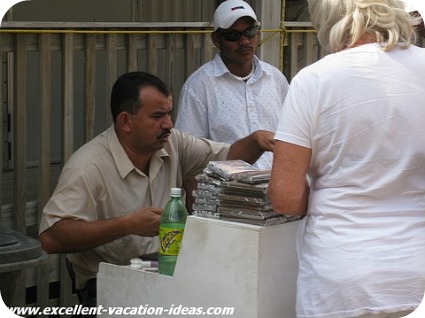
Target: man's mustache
{"x": 164, "y": 133}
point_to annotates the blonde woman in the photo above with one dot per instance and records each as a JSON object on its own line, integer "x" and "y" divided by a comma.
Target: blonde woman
{"x": 350, "y": 156}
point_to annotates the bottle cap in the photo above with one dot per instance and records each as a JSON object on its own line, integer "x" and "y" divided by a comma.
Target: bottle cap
{"x": 176, "y": 192}
{"x": 136, "y": 263}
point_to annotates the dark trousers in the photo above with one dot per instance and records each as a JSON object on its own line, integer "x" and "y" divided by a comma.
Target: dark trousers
{"x": 87, "y": 295}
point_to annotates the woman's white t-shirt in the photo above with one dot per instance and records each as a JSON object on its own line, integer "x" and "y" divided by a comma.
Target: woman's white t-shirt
{"x": 362, "y": 244}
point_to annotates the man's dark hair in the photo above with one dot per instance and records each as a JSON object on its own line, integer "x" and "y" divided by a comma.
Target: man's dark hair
{"x": 125, "y": 92}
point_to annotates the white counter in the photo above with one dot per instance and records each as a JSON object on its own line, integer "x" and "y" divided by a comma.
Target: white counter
{"x": 249, "y": 268}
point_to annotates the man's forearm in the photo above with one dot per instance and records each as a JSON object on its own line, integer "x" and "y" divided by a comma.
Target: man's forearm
{"x": 68, "y": 236}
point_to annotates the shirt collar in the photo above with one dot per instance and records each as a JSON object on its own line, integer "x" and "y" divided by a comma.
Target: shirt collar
{"x": 221, "y": 69}
{"x": 122, "y": 161}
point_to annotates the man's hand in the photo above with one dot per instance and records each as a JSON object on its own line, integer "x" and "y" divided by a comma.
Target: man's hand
{"x": 145, "y": 221}
{"x": 265, "y": 139}
{"x": 251, "y": 148}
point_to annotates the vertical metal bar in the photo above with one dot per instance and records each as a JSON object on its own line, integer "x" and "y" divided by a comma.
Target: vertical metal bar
{"x": 111, "y": 71}
{"x": 67, "y": 97}
{"x": 171, "y": 54}
{"x": 65, "y": 296}
{"x": 293, "y": 36}
{"x": 132, "y": 53}
{"x": 152, "y": 65}
{"x": 45, "y": 87}
{"x": 90, "y": 84}
{"x": 308, "y": 47}
{"x": 20, "y": 133}
{"x": 43, "y": 286}
{"x": 67, "y": 141}
{"x": 136, "y": 10}
{"x": 190, "y": 55}
{"x": 3, "y": 113}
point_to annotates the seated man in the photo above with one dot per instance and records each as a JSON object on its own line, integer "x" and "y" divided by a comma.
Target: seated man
{"x": 110, "y": 194}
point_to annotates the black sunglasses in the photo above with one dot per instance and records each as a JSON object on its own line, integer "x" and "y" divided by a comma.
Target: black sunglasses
{"x": 233, "y": 35}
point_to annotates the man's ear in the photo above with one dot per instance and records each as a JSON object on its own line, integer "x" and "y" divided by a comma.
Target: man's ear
{"x": 124, "y": 121}
{"x": 215, "y": 39}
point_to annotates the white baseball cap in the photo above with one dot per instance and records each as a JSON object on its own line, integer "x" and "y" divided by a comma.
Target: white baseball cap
{"x": 229, "y": 11}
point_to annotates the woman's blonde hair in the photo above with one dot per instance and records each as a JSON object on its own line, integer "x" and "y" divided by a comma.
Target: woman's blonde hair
{"x": 341, "y": 23}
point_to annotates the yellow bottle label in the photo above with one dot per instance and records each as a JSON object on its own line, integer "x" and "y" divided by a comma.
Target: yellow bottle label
{"x": 170, "y": 240}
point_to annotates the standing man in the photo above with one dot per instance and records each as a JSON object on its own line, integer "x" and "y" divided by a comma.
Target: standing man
{"x": 235, "y": 94}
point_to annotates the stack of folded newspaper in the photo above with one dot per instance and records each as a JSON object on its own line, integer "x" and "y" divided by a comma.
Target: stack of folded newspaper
{"x": 234, "y": 190}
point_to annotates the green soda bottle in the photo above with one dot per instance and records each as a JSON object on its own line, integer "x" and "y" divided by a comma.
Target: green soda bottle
{"x": 171, "y": 227}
